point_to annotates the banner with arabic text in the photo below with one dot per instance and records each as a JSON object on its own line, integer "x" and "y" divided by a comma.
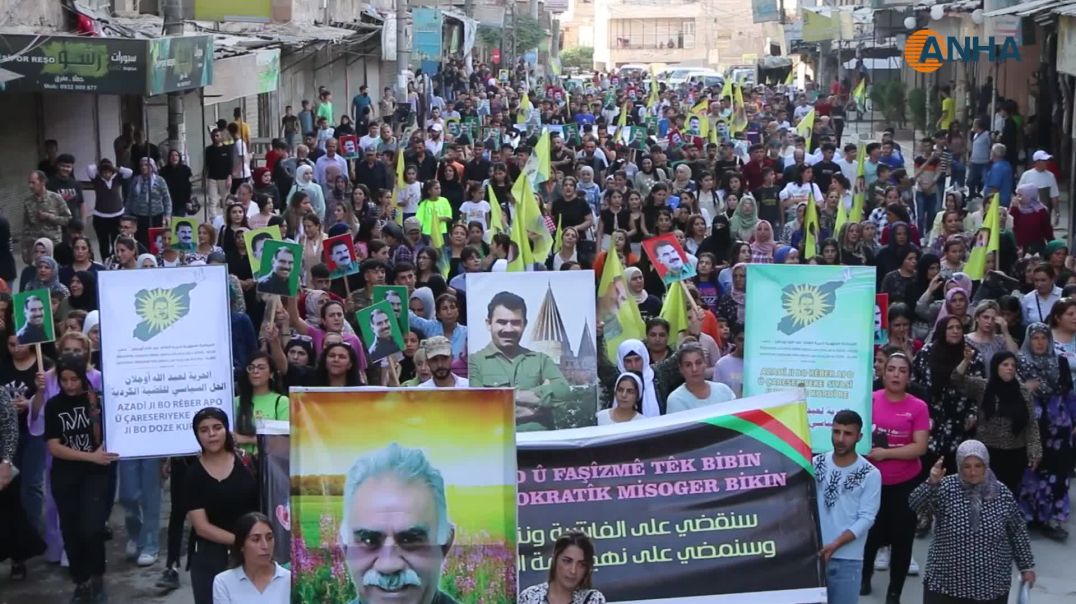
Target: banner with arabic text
{"x": 710, "y": 505}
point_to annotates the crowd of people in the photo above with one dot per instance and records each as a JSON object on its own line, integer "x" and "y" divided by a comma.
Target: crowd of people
{"x": 974, "y": 379}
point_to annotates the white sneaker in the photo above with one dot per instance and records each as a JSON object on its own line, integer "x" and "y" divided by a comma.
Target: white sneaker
{"x": 881, "y": 560}
{"x": 147, "y": 559}
{"x": 132, "y": 550}
{"x": 913, "y": 568}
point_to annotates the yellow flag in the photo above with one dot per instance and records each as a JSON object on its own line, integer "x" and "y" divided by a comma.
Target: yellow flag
{"x": 496, "y": 217}
{"x": 543, "y": 153}
{"x": 617, "y": 307}
{"x": 559, "y": 237}
{"x": 674, "y": 310}
{"x": 975, "y": 269}
{"x": 702, "y": 107}
{"x": 726, "y": 89}
{"x": 525, "y": 107}
{"x": 842, "y": 217}
{"x": 739, "y": 112}
{"x": 791, "y": 79}
{"x": 810, "y": 228}
{"x": 653, "y": 99}
{"x": 401, "y": 183}
{"x": 860, "y": 94}
{"x": 806, "y": 128}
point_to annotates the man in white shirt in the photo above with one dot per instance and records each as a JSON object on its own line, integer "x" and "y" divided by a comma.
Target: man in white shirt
{"x": 439, "y": 356}
{"x": 435, "y": 143}
{"x": 1041, "y": 178}
{"x": 696, "y": 391}
{"x": 849, "y": 494}
{"x": 1037, "y": 304}
{"x": 371, "y": 138}
{"x": 331, "y": 157}
{"x": 244, "y": 194}
{"x": 850, "y": 162}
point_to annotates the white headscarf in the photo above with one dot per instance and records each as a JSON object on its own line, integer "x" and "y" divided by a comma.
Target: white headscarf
{"x": 650, "y": 396}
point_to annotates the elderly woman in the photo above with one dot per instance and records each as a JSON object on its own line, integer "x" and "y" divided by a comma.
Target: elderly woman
{"x": 979, "y": 534}
{"x": 569, "y": 574}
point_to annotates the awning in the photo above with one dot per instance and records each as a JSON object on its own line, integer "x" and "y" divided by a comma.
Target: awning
{"x": 873, "y": 64}
{"x": 1026, "y": 9}
{"x": 59, "y": 63}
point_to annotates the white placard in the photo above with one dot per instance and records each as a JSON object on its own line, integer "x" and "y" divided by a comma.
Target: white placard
{"x": 166, "y": 353}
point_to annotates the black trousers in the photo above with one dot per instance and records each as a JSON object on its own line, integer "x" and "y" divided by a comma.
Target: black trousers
{"x": 107, "y": 230}
{"x": 145, "y": 223}
{"x": 894, "y": 526}
{"x": 80, "y": 502}
{"x": 930, "y": 597}
{"x": 178, "y": 514}
{"x": 1009, "y": 466}
{"x": 206, "y": 561}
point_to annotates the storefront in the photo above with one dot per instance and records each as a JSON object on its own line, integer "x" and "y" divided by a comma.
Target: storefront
{"x": 80, "y": 91}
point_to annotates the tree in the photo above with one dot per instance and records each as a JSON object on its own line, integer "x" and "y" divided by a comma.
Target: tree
{"x": 528, "y": 33}
{"x": 580, "y": 57}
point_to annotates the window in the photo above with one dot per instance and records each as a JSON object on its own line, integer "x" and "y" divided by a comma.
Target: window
{"x": 653, "y": 33}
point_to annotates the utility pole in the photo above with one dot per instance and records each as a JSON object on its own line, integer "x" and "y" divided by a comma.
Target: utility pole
{"x": 177, "y": 128}
{"x": 403, "y": 50}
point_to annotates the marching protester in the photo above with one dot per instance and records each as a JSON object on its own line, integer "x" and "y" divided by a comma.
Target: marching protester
{"x": 980, "y": 533}
{"x": 569, "y": 575}
{"x": 849, "y": 491}
{"x": 254, "y": 575}
{"x": 480, "y": 172}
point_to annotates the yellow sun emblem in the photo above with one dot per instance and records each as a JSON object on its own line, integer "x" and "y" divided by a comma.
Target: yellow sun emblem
{"x": 160, "y": 308}
{"x": 805, "y": 304}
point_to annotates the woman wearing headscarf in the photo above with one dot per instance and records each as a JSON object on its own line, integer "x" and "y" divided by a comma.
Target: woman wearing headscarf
{"x": 147, "y": 261}
{"x": 719, "y": 241}
{"x": 42, "y": 247}
{"x": 979, "y": 535}
{"x": 892, "y": 255}
{"x": 1030, "y": 219}
{"x": 950, "y": 407}
{"x": 744, "y": 219}
{"x": 1044, "y": 496}
{"x": 762, "y": 243}
{"x": 47, "y": 276}
{"x": 955, "y": 301}
{"x": 627, "y": 401}
{"x": 1004, "y": 420}
{"x": 731, "y": 306}
{"x": 424, "y": 297}
{"x": 149, "y": 199}
{"x": 792, "y": 233}
{"x": 649, "y": 304}
{"x": 786, "y": 254}
{"x": 853, "y": 252}
{"x": 304, "y": 181}
{"x": 83, "y": 290}
{"x": 658, "y": 380}
{"x": 263, "y": 185}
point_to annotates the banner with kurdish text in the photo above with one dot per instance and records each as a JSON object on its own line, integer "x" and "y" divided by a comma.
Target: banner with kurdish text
{"x": 430, "y": 473}
{"x": 812, "y": 328}
{"x": 710, "y": 505}
{"x": 166, "y": 353}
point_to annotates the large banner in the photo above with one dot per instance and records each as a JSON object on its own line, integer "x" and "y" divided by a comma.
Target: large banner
{"x": 710, "y": 505}
{"x": 820, "y": 339}
{"x": 535, "y": 332}
{"x": 431, "y": 474}
{"x": 166, "y": 353}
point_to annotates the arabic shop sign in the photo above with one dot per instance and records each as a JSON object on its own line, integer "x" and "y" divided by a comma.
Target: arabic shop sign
{"x": 106, "y": 65}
